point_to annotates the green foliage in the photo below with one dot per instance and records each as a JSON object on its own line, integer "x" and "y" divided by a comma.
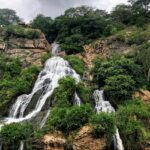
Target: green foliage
{"x": 84, "y": 92}
{"x": 65, "y": 92}
{"x": 15, "y": 80}
{"x": 8, "y": 16}
{"x": 14, "y": 133}
{"x": 134, "y": 35}
{"x": 76, "y": 63}
{"x": 21, "y": 32}
{"x": 119, "y": 76}
{"x": 132, "y": 120}
{"x": 69, "y": 119}
{"x": 119, "y": 87}
{"x": 45, "y": 24}
{"x": 103, "y": 125}
{"x": 143, "y": 57}
{"x": 73, "y": 44}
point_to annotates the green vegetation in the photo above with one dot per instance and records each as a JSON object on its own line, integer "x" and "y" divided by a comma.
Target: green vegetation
{"x": 45, "y": 25}
{"x": 65, "y": 92}
{"x": 8, "y": 16}
{"x": 15, "y": 80}
{"x": 143, "y": 58}
{"x": 84, "y": 92}
{"x": 21, "y": 32}
{"x": 69, "y": 119}
{"x": 118, "y": 76}
{"x": 76, "y": 63}
{"x": 11, "y": 135}
{"x": 103, "y": 125}
{"x": 132, "y": 120}
{"x": 134, "y": 35}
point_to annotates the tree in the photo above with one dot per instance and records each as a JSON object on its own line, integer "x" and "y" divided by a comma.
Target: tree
{"x": 132, "y": 120}
{"x": 119, "y": 88}
{"x": 140, "y": 11}
{"x": 45, "y": 24}
{"x": 8, "y": 16}
{"x": 11, "y": 135}
{"x": 103, "y": 125}
{"x": 122, "y": 13}
{"x": 69, "y": 119}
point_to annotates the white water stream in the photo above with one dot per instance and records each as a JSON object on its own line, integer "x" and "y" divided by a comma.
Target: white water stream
{"x": 104, "y": 106}
{"x": 55, "y": 69}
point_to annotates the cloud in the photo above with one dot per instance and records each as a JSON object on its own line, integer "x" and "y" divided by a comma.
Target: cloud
{"x": 28, "y": 9}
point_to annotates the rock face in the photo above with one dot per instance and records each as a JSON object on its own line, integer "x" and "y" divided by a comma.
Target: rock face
{"x": 144, "y": 95}
{"x": 54, "y": 142}
{"x": 85, "y": 141}
{"x": 107, "y": 47}
{"x": 29, "y": 51}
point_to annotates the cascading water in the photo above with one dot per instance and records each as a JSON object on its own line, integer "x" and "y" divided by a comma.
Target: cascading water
{"x": 21, "y": 147}
{"x": 55, "y": 69}
{"x": 77, "y": 100}
{"x": 104, "y": 106}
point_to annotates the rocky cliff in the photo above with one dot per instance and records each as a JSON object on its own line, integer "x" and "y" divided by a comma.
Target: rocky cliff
{"x": 83, "y": 140}
{"x": 30, "y": 51}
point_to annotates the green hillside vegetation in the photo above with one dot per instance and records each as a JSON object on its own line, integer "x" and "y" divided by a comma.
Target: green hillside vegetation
{"x": 120, "y": 76}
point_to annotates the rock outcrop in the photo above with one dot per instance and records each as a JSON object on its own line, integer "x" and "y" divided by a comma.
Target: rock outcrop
{"x": 107, "y": 47}
{"x": 54, "y": 142}
{"x": 85, "y": 141}
{"x": 144, "y": 95}
{"x": 30, "y": 51}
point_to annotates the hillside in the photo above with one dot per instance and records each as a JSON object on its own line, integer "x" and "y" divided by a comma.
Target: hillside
{"x": 80, "y": 81}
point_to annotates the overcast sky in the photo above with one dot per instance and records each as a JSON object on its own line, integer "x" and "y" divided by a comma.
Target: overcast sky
{"x": 28, "y": 9}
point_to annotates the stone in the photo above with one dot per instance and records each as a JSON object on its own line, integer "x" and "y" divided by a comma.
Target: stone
{"x": 54, "y": 141}
{"x": 85, "y": 141}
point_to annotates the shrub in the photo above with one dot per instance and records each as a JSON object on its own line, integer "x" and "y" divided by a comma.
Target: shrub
{"x": 14, "y": 133}
{"x": 20, "y": 32}
{"x": 15, "y": 80}
{"x": 102, "y": 125}
{"x": 119, "y": 87}
{"x": 84, "y": 92}
{"x": 64, "y": 93}
{"x": 76, "y": 63}
{"x": 132, "y": 120}
{"x": 69, "y": 119}
{"x": 73, "y": 44}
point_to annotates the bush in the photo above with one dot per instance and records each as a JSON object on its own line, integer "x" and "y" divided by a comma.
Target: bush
{"x": 12, "y": 134}
{"x": 84, "y": 92}
{"x": 65, "y": 92}
{"x": 76, "y": 63}
{"x": 102, "y": 125}
{"x": 15, "y": 80}
{"x": 119, "y": 88}
{"x": 132, "y": 120}
{"x": 20, "y": 32}
{"x": 69, "y": 119}
{"x": 73, "y": 44}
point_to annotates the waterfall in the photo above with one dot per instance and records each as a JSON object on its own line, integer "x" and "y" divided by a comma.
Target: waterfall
{"x": 45, "y": 119}
{"x": 55, "y": 49}
{"x": 21, "y": 147}
{"x": 77, "y": 100}
{"x": 104, "y": 106}
{"x": 55, "y": 69}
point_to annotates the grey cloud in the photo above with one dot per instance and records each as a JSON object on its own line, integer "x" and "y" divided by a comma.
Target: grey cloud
{"x": 28, "y": 9}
